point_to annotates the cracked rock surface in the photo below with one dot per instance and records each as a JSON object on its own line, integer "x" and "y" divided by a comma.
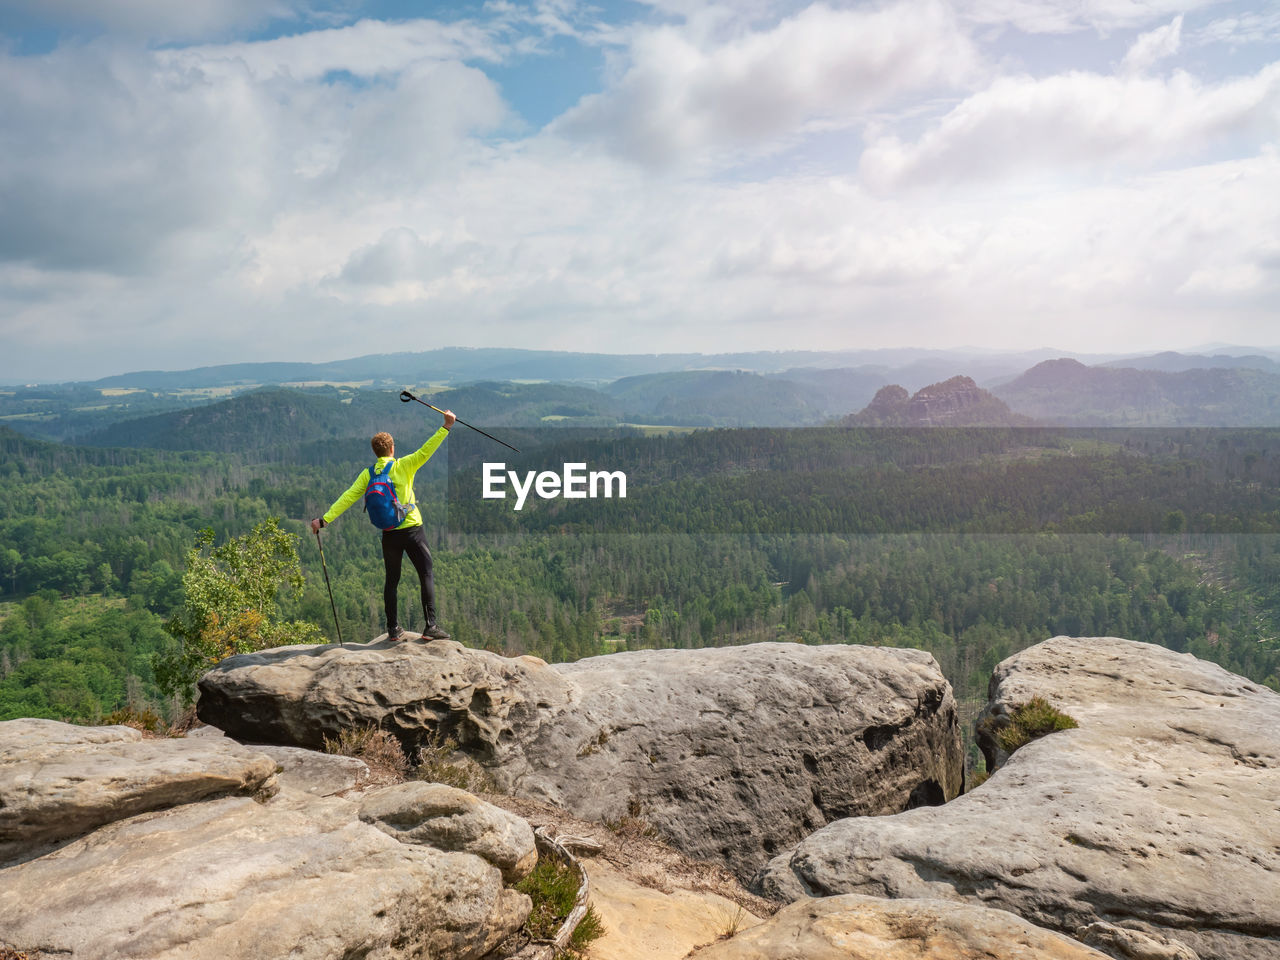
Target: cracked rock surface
{"x": 298, "y": 695}
{"x": 234, "y": 878}
{"x": 172, "y": 870}
{"x": 58, "y": 780}
{"x": 447, "y": 818}
{"x": 1159, "y": 815}
{"x": 732, "y": 753}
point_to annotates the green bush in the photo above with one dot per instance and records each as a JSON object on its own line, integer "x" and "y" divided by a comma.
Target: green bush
{"x": 229, "y": 604}
{"x": 589, "y": 928}
{"x": 1030, "y": 721}
{"x": 553, "y": 888}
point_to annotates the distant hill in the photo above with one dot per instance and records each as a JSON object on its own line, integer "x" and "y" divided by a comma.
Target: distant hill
{"x": 721, "y": 398}
{"x": 253, "y": 420}
{"x": 526, "y": 404}
{"x": 1171, "y": 362}
{"x": 843, "y": 390}
{"x": 284, "y": 417}
{"x": 1065, "y": 391}
{"x": 956, "y": 402}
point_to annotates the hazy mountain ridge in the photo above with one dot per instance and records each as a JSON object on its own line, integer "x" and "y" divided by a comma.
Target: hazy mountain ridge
{"x": 458, "y": 363}
{"x": 1065, "y": 391}
{"x": 497, "y": 363}
{"x": 1061, "y": 391}
{"x": 735, "y": 398}
{"x": 1170, "y": 361}
{"x": 843, "y": 389}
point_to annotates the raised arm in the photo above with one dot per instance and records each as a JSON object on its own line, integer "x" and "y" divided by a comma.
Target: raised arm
{"x": 420, "y": 456}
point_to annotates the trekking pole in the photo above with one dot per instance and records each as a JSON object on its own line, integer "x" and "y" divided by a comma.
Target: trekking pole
{"x": 324, "y": 566}
{"x": 406, "y": 396}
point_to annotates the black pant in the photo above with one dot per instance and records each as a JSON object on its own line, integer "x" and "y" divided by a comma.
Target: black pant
{"x": 396, "y": 543}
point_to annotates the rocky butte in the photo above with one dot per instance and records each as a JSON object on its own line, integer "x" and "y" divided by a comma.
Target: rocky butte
{"x": 957, "y": 402}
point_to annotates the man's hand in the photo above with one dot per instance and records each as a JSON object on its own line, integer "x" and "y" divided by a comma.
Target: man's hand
{"x": 449, "y": 419}
{"x": 316, "y": 524}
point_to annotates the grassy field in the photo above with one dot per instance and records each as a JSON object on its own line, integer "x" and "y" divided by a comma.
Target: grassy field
{"x": 659, "y": 429}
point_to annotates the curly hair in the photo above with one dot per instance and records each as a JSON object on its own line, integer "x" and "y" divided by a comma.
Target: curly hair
{"x": 382, "y": 444}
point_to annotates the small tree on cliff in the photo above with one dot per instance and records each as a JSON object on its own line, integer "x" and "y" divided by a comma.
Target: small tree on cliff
{"x": 229, "y": 604}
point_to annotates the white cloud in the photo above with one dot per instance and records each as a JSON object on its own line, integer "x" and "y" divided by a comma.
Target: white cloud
{"x": 683, "y": 95}
{"x": 1249, "y": 27}
{"x": 1071, "y": 16}
{"x": 835, "y": 235}
{"x": 102, "y": 160}
{"x": 125, "y": 160}
{"x": 553, "y": 18}
{"x": 370, "y": 48}
{"x": 402, "y": 267}
{"x": 1227, "y": 279}
{"x": 1078, "y": 120}
{"x": 537, "y": 247}
{"x": 1152, "y": 47}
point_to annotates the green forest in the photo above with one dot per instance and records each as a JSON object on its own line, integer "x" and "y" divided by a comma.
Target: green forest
{"x": 968, "y": 544}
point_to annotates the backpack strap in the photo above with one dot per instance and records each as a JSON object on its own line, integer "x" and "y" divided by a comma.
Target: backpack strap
{"x": 374, "y": 475}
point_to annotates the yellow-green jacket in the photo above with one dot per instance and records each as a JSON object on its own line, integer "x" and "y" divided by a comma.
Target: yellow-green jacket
{"x": 402, "y": 472}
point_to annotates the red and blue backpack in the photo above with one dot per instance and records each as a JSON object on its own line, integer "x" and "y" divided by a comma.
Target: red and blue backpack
{"x": 380, "y": 501}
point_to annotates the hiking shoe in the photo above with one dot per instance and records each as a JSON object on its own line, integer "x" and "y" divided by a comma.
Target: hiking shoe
{"x": 395, "y": 633}
{"x": 433, "y": 632}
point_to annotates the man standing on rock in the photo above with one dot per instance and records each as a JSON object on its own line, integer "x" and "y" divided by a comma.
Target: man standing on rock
{"x": 405, "y": 537}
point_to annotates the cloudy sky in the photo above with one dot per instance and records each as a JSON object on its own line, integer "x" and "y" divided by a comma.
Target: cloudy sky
{"x": 227, "y": 180}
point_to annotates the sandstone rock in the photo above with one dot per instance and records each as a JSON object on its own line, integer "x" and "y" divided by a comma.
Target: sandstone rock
{"x": 853, "y": 927}
{"x": 299, "y": 695}
{"x": 641, "y": 923}
{"x": 58, "y": 780}
{"x": 309, "y": 771}
{"x": 1132, "y": 944}
{"x": 956, "y": 402}
{"x": 732, "y": 753}
{"x": 451, "y": 819}
{"x": 204, "y": 730}
{"x": 297, "y": 877}
{"x": 1157, "y": 815}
